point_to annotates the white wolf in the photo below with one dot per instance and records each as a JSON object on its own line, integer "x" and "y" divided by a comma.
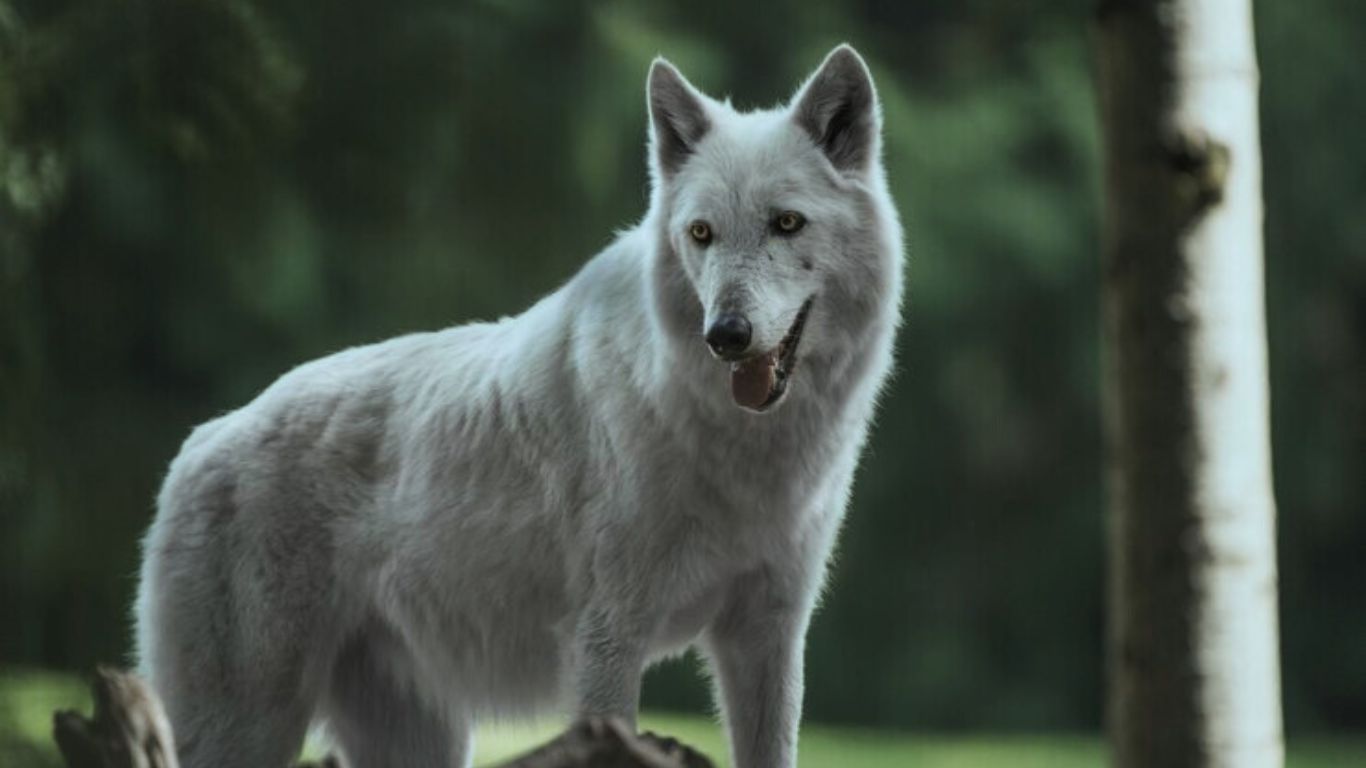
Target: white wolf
{"x": 401, "y": 539}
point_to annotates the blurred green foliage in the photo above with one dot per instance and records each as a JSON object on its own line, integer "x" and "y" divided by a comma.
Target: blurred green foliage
{"x": 197, "y": 194}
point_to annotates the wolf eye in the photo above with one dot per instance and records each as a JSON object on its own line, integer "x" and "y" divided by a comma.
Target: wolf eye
{"x": 789, "y": 222}
{"x": 700, "y": 232}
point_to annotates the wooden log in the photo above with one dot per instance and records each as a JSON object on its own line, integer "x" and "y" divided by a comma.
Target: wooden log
{"x": 610, "y": 744}
{"x": 129, "y": 729}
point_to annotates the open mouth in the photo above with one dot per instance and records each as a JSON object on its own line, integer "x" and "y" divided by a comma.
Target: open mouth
{"x": 760, "y": 381}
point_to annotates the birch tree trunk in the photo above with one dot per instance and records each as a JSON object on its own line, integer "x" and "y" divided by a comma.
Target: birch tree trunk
{"x": 1193, "y": 656}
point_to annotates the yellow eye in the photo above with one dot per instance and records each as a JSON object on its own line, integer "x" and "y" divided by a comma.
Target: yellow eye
{"x": 789, "y": 222}
{"x": 700, "y": 231}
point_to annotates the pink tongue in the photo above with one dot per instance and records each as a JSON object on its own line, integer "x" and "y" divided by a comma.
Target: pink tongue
{"x": 752, "y": 381}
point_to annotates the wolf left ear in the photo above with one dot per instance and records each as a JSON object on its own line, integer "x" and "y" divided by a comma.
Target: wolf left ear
{"x": 838, "y": 109}
{"x": 678, "y": 117}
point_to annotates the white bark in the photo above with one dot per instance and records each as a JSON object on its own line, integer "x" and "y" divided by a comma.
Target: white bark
{"x": 1194, "y": 648}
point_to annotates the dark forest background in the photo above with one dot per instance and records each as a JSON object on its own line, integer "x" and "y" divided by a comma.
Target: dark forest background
{"x": 196, "y": 195}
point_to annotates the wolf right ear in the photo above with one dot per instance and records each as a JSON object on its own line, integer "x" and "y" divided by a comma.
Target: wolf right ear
{"x": 838, "y": 109}
{"x": 678, "y": 118}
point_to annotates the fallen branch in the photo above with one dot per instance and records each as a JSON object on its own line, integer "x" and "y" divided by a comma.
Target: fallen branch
{"x": 610, "y": 744}
{"x": 129, "y": 729}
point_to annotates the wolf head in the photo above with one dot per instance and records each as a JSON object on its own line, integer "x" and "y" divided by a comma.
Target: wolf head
{"x": 775, "y": 218}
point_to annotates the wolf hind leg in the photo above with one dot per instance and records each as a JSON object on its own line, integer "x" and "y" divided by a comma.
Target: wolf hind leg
{"x": 231, "y": 702}
{"x": 379, "y": 720}
{"x": 236, "y": 644}
{"x": 243, "y": 734}
{"x": 223, "y": 716}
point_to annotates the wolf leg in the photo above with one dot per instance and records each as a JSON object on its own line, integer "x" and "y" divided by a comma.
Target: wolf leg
{"x": 232, "y": 699}
{"x": 755, "y": 649}
{"x": 611, "y": 658}
{"x": 232, "y": 634}
{"x": 380, "y": 721}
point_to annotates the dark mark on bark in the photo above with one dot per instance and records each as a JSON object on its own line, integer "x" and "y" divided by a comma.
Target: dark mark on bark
{"x": 1200, "y": 165}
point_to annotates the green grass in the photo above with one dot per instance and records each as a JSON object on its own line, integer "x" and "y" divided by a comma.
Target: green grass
{"x": 27, "y": 700}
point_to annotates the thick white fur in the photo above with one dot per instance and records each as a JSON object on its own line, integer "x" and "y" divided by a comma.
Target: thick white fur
{"x": 403, "y": 538}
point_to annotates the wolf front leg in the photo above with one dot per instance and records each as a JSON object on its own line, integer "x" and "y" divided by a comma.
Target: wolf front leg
{"x": 755, "y": 647}
{"x": 611, "y": 659}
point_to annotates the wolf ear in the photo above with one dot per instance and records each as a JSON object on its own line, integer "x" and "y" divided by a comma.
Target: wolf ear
{"x": 838, "y": 109}
{"x": 678, "y": 117}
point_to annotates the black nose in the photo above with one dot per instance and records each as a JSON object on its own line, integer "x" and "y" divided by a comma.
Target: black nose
{"x": 729, "y": 335}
